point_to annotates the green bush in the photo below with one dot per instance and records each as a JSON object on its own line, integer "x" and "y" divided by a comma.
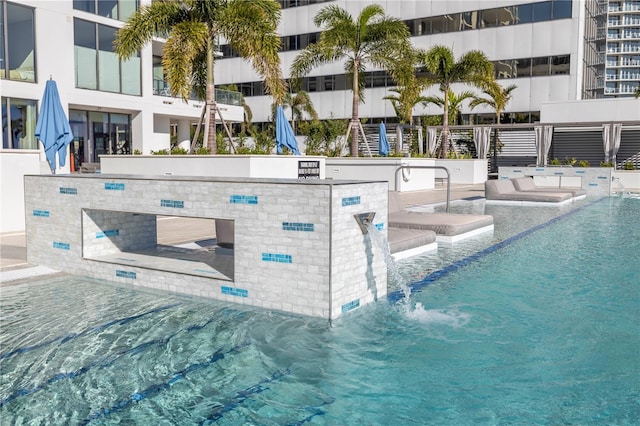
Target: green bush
{"x": 628, "y": 166}
{"x": 137, "y": 152}
{"x": 607, "y": 164}
{"x": 554, "y": 162}
{"x": 583, "y": 163}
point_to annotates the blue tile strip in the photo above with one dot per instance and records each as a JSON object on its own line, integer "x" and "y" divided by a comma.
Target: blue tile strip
{"x": 277, "y": 257}
{"x": 231, "y": 291}
{"x": 71, "y": 336}
{"x": 125, "y": 274}
{"x": 380, "y": 226}
{"x": 63, "y": 246}
{"x": 110, "y": 186}
{"x": 296, "y": 226}
{"x": 41, "y": 213}
{"x": 243, "y": 199}
{"x": 350, "y": 201}
{"x": 70, "y": 191}
{"x": 441, "y": 273}
{"x": 108, "y": 233}
{"x": 172, "y": 203}
{"x": 350, "y": 306}
{"x": 580, "y": 172}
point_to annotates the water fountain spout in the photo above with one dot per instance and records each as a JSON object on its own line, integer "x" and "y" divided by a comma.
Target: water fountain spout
{"x": 364, "y": 220}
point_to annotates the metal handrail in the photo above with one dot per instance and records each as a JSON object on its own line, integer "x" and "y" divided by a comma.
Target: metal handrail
{"x": 427, "y": 167}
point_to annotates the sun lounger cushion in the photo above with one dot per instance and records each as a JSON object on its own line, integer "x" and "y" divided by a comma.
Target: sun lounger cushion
{"x": 527, "y": 184}
{"x": 406, "y": 239}
{"x": 441, "y": 223}
{"x": 504, "y": 189}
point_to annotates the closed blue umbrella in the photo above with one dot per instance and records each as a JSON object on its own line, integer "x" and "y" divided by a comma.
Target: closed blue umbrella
{"x": 384, "y": 142}
{"x": 53, "y": 128}
{"x": 284, "y": 133}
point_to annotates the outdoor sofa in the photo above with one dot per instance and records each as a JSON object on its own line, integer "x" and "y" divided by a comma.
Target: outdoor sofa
{"x": 449, "y": 227}
{"x": 528, "y": 184}
{"x": 503, "y": 191}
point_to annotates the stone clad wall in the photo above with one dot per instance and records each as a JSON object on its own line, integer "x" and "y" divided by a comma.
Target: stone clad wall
{"x": 297, "y": 247}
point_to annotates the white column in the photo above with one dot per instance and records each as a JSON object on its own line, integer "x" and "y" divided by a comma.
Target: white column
{"x": 184, "y": 133}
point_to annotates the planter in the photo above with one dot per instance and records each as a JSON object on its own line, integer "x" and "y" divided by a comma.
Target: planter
{"x": 384, "y": 169}
{"x": 467, "y": 171}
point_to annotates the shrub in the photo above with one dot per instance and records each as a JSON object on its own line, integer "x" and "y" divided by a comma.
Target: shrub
{"x": 606, "y": 164}
{"x": 554, "y": 162}
{"x": 583, "y": 163}
{"x": 628, "y": 166}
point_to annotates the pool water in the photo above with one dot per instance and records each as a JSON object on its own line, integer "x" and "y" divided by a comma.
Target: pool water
{"x": 535, "y": 324}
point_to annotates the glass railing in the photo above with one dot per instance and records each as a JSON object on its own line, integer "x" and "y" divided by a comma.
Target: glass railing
{"x": 227, "y": 97}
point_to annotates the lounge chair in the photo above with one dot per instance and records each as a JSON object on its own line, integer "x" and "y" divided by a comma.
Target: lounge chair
{"x": 449, "y": 227}
{"x": 504, "y": 191}
{"x": 405, "y": 243}
{"x": 528, "y": 184}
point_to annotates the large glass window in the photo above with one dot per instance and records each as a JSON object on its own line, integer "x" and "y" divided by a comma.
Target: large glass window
{"x": 560, "y": 65}
{"x": 99, "y": 133}
{"x": 98, "y": 66}
{"x": 17, "y": 54}
{"x": 540, "y": 66}
{"x": 19, "y": 124}
{"x": 561, "y": 9}
{"x": 114, "y": 9}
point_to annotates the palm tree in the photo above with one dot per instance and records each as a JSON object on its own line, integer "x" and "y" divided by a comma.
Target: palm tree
{"x": 192, "y": 29}
{"x": 248, "y": 113}
{"x": 472, "y": 68}
{"x": 497, "y": 98}
{"x": 372, "y": 38}
{"x": 300, "y": 103}
{"x": 454, "y": 101}
{"x": 410, "y": 86}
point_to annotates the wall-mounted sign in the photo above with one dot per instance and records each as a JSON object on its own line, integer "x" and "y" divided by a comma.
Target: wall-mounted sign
{"x": 308, "y": 169}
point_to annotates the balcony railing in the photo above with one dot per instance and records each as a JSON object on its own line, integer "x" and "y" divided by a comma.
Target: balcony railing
{"x": 227, "y": 97}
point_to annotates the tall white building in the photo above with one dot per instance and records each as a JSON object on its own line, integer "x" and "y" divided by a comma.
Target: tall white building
{"x": 553, "y": 50}
{"x": 537, "y": 45}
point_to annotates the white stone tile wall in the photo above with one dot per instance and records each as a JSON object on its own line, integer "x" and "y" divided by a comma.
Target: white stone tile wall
{"x": 297, "y": 247}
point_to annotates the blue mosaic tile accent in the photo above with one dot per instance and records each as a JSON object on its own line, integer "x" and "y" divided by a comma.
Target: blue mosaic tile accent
{"x": 243, "y": 199}
{"x": 350, "y": 306}
{"x": 108, "y": 233}
{"x": 70, "y": 191}
{"x": 63, "y": 246}
{"x": 172, "y": 203}
{"x": 125, "y": 274}
{"x": 235, "y": 291}
{"x": 297, "y": 226}
{"x": 580, "y": 172}
{"x": 504, "y": 177}
{"x": 350, "y": 201}
{"x": 593, "y": 184}
{"x": 540, "y": 169}
{"x": 206, "y": 271}
{"x": 277, "y": 257}
{"x": 517, "y": 171}
{"x": 380, "y": 226}
{"x": 603, "y": 177}
{"x": 558, "y": 173}
{"x": 110, "y": 186}
{"x": 41, "y": 213}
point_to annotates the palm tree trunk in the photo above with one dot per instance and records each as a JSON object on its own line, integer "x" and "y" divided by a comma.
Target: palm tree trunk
{"x": 354, "y": 111}
{"x": 445, "y": 124}
{"x": 210, "y": 135}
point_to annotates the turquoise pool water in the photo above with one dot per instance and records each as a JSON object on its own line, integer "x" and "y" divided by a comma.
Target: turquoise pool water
{"x": 535, "y": 324}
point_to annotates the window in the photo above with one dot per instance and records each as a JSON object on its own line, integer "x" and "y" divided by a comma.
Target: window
{"x": 540, "y": 66}
{"x": 560, "y": 65}
{"x": 114, "y": 9}
{"x": 542, "y": 11}
{"x": 561, "y": 9}
{"x": 17, "y": 43}
{"x": 97, "y": 66}
{"x": 18, "y": 124}
{"x": 99, "y": 133}
{"x": 523, "y": 67}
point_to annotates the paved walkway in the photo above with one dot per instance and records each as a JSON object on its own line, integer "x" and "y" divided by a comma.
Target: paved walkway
{"x": 13, "y": 252}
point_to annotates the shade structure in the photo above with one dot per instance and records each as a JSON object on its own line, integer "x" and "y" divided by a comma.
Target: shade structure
{"x": 611, "y": 135}
{"x": 481, "y": 136}
{"x": 383, "y": 148}
{"x": 284, "y": 133}
{"x": 52, "y": 128}
{"x": 543, "y": 135}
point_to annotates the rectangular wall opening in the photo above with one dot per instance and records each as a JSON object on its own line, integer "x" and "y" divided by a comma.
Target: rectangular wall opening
{"x": 184, "y": 245}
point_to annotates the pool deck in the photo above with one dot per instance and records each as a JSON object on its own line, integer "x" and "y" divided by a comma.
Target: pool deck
{"x": 15, "y": 269}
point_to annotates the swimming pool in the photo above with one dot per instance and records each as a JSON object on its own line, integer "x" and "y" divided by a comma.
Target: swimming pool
{"x": 536, "y": 324}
